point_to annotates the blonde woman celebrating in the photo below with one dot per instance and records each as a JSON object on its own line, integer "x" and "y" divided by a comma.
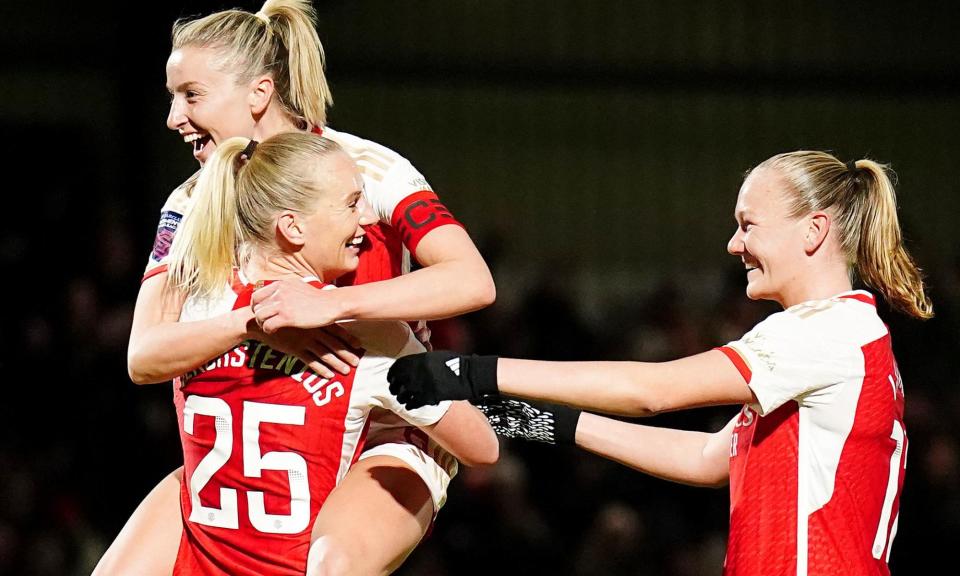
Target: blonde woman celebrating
{"x": 265, "y": 438}
{"x": 815, "y": 459}
{"x": 235, "y": 73}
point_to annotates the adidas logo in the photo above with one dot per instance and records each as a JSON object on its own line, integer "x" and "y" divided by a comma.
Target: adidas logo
{"x": 454, "y": 365}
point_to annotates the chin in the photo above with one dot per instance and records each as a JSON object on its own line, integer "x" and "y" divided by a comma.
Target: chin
{"x": 755, "y": 293}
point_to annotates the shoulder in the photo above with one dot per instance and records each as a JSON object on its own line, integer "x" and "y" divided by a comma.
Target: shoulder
{"x": 181, "y": 199}
{"x": 376, "y": 162}
{"x": 365, "y": 151}
{"x": 850, "y": 317}
{"x": 825, "y": 330}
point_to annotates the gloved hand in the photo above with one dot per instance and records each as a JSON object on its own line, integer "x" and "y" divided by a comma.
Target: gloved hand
{"x": 530, "y": 420}
{"x": 430, "y": 377}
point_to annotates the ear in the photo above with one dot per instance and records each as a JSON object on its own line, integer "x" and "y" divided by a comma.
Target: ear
{"x": 261, "y": 93}
{"x": 290, "y": 231}
{"x": 818, "y": 226}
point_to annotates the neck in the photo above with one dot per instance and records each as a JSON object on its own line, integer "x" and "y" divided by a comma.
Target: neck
{"x": 273, "y": 122}
{"x": 818, "y": 284}
{"x": 262, "y": 266}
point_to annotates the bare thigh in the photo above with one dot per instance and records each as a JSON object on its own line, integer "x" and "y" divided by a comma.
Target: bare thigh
{"x": 148, "y": 543}
{"x": 372, "y": 521}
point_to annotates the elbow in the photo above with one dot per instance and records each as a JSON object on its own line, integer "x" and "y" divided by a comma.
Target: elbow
{"x": 643, "y": 406}
{"x": 137, "y": 377}
{"x": 138, "y": 371}
{"x": 484, "y": 292}
{"x": 716, "y": 481}
{"x": 719, "y": 483}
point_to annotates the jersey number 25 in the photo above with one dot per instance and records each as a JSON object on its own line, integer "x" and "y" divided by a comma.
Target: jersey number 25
{"x": 226, "y": 516}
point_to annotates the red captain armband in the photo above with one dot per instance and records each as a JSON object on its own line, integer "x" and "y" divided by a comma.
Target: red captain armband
{"x": 416, "y": 215}
{"x": 738, "y": 361}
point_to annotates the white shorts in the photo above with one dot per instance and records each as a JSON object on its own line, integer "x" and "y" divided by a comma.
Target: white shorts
{"x": 435, "y": 466}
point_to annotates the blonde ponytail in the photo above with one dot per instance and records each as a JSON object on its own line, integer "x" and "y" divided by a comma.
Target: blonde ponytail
{"x": 204, "y": 250}
{"x": 304, "y": 83}
{"x": 862, "y": 198}
{"x": 882, "y": 261}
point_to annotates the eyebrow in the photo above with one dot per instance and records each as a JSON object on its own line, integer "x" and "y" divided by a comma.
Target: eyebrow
{"x": 183, "y": 86}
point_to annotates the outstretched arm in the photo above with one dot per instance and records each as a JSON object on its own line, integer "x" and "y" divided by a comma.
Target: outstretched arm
{"x": 626, "y": 388}
{"x": 694, "y": 458}
{"x": 687, "y": 457}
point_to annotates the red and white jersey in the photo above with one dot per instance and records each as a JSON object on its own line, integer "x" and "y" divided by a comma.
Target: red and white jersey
{"x": 817, "y": 466}
{"x": 400, "y": 196}
{"x": 177, "y": 205}
{"x": 265, "y": 440}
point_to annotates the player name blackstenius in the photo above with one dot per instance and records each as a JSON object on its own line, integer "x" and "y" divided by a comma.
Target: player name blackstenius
{"x": 266, "y": 358}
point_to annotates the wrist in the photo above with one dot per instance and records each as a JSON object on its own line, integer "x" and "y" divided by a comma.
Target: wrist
{"x": 483, "y": 375}
{"x": 244, "y": 324}
{"x": 337, "y": 305}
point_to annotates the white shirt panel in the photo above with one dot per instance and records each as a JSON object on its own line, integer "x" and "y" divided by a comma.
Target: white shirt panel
{"x": 388, "y": 177}
{"x": 779, "y": 349}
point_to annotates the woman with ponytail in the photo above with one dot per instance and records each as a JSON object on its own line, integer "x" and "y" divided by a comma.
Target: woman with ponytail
{"x": 815, "y": 458}
{"x": 235, "y": 73}
{"x": 288, "y": 208}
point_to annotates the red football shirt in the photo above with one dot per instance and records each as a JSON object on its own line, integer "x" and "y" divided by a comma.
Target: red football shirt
{"x": 816, "y": 468}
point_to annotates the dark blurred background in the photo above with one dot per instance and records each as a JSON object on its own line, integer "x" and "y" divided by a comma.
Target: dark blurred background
{"x": 593, "y": 148}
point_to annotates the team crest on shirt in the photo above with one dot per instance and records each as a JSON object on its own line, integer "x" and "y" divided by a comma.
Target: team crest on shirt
{"x": 169, "y": 221}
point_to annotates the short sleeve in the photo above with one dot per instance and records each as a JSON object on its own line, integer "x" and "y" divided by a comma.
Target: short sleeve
{"x": 398, "y": 193}
{"x": 400, "y": 181}
{"x": 384, "y": 342}
{"x": 408, "y": 204}
{"x": 786, "y": 357}
{"x": 171, "y": 216}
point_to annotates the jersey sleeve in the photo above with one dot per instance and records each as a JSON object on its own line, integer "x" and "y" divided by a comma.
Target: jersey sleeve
{"x": 409, "y": 205}
{"x": 171, "y": 215}
{"x": 384, "y": 343}
{"x": 789, "y": 357}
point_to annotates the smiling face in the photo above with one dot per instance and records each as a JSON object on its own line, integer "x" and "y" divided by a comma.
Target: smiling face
{"x": 207, "y": 105}
{"x": 768, "y": 240}
{"x": 333, "y": 231}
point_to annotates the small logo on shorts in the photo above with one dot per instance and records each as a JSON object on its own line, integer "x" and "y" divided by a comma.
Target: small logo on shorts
{"x": 169, "y": 221}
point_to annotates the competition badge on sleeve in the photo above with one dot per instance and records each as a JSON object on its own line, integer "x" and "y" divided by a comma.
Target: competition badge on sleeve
{"x": 169, "y": 221}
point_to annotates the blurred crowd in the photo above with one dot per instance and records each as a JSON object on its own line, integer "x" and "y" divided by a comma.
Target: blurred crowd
{"x": 81, "y": 445}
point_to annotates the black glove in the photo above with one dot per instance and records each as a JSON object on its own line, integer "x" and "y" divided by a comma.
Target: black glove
{"x": 529, "y": 420}
{"x": 430, "y": 377}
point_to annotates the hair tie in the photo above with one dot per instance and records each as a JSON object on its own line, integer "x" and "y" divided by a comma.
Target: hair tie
{"x": 247, "y": 153}
{"x": 852, "y": 167}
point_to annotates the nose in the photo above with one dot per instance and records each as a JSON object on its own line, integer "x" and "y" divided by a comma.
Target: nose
{"x": 367, "y": 217}
{"x": 735, "y": 244}
{"x": 175, "y": 117}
